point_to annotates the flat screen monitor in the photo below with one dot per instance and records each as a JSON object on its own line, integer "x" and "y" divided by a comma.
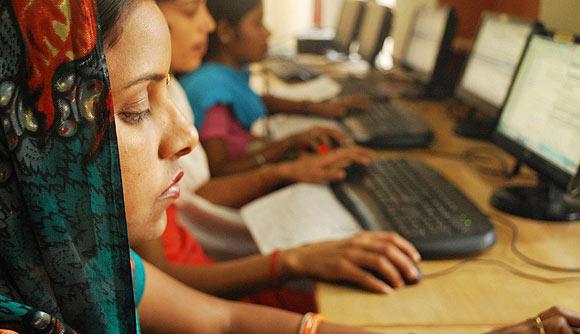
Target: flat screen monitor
{"x": 375, "y": 28}
{"x": 348, "y": 24}
{"x": 491, "y": 66}
{"x": 425, "y": 42}
{"x": 540, "y": 121}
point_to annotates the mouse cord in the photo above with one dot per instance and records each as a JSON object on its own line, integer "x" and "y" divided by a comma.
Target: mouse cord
{"x": 517, "y": 252}
{"x": 507, "y": 267}
{"x": 480, "y": 158}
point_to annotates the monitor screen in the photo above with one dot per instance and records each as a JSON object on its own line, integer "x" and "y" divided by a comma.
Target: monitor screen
{"x": 347, "y": 24}
{"x": 426, "y": 38}
{"x": 541, "y": 116}
{"x": 374, "y": 29}
{"x": 494, "y": 58}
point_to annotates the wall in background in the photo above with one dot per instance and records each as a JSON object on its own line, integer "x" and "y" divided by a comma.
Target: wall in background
{"x": 561, "y": 15}
{"x": 286, "y": 19}
{"x": 469, "y": 12}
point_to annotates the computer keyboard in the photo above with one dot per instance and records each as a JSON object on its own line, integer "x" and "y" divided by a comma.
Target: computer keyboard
{"x": 409, "y": 197}
{"x": 385, "y": 125}
{"x": 289, "y": 70}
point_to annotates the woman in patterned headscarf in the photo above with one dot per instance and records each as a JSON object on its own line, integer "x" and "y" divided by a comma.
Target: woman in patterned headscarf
{"x": 63, "y": 237}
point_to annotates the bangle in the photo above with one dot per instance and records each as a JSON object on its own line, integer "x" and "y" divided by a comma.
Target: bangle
{"x": 309, "y": 323}
{"x": 260, "y": 159}
{"x": 274, "y": 274}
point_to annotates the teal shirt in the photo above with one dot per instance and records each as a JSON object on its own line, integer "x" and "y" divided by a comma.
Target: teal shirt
{"x": 217, "y": 84}
{"x": 138, "y": 283}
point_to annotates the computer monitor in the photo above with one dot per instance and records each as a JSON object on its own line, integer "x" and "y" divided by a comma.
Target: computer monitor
{"x": 490, "y": 69}
{"x": 375, "y": 28}
{"x": 540, "y": 126}
{"x": 348, "y": 25}
{"x": 429, "y": 47}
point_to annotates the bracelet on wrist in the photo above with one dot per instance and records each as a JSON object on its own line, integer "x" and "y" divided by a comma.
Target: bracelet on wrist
{"x": 310, "y": 323}
{"x": 260, "y": 159}
{"x": 274, "y": 273}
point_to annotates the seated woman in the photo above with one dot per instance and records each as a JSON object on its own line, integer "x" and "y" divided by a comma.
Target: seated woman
{"x": 226, "y": 107}
{"x": 64, "y": 238}
{"x": 181, "y": 256}
{"x": 207, "y": 205}
{"x": 65, "y": 256}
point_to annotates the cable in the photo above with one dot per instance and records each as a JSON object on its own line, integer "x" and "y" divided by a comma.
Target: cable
{"x": 517, "y": 252}
{"x": 504, "y": 266}
{"x": 478, "y": 158}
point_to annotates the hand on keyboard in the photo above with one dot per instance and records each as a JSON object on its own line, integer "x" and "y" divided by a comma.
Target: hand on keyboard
{"x": 324, "y": 168}
{"x": 352, "y": 259}
{"x": 339, "y": 107}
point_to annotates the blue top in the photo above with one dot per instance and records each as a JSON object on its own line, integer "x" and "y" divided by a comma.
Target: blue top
{"x": 216, "y": 84}
{"x": 138, "y": 271}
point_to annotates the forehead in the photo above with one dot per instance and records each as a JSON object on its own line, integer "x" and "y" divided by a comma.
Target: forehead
{"x": 144, "y": 44}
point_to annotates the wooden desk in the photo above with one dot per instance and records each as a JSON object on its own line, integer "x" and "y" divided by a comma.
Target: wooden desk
{"x": 478, "y": 296}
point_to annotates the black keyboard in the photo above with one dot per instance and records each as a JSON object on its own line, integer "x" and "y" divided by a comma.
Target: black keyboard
{"x": 385, "y": 126}
{"x": 289, "y": 70}
{"x": 408, "y": 197}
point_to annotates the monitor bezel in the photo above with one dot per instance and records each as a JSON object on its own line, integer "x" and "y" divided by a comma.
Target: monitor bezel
{"x": 470, "y": 98}
{"x": 538, "y": 163}
{"x": 361, "y": 8}
{"x": 383, "y": 33}
{"x": 447, "y": 38}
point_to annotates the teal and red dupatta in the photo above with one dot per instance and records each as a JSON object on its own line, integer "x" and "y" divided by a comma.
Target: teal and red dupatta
{"x": 64, "y": 256}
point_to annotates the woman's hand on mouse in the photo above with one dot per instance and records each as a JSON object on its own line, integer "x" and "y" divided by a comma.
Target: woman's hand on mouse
{"x": 386, "y": 253}
{"x": 311, "y": 139}
{"x": 324, "y": 168}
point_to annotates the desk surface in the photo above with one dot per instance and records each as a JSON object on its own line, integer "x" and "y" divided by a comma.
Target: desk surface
{"x": 479, "y": 295}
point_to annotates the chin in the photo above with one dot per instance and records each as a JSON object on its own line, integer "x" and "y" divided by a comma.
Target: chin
{"x": 146, "y": 232}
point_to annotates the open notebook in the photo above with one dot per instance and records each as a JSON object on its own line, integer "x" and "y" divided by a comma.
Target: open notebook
{"x": 296, "y": 215}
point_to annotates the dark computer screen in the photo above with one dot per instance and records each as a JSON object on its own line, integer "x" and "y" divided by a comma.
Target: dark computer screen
{"x": 425, "y": 41}
{"x": 347, "y": 24}
{"x": 375, "y": 28}
{"x": 540, "y": 122}
{"x": 491, "y": 66}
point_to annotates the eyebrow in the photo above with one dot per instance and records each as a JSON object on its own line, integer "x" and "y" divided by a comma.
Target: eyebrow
{"x": 147, "y": 77}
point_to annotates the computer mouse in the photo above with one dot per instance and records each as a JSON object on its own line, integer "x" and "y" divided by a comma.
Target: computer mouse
{"x": 407, "y": 281}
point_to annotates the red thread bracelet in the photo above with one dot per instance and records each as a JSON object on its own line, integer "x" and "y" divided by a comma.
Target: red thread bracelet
{"x": 274, "y": 268}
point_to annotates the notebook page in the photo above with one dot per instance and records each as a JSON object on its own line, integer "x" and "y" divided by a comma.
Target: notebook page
{"x": 317, "y": 90}
{"x": 296, "y": 215}
{"x": 280, "y": 126}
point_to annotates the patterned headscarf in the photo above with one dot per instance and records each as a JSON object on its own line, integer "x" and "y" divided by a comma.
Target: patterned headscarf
{"x": 64, "y": 256}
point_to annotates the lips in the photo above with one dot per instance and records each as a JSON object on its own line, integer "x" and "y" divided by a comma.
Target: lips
{"x": 173, "y": 191}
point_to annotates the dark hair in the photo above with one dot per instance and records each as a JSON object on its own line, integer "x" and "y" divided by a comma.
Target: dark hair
{"x": 229, "y": 11}
{"x": 109, "y": 13}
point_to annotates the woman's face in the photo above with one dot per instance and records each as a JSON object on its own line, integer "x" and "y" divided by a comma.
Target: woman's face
{"x": 152, "y": 134}
{"x": 190, "y": 24}
{"x": 251, "y": 44}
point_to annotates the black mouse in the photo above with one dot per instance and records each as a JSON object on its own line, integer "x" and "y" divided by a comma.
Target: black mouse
{"x": 407, "y": 281}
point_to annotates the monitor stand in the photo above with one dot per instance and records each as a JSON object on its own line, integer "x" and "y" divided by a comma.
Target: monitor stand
{"x": 546, "y": 202}
{"x": 475, "y": 126}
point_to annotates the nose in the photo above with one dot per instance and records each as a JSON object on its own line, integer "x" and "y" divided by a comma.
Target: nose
{"x": 179, "y": 135}
{"x": 209, "y": 22}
